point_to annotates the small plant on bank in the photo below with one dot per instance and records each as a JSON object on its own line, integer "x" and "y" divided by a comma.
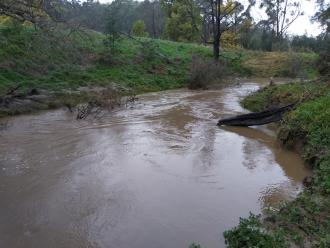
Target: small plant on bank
{"x": 139, "y": 29}
{"x": 250, "y": 233}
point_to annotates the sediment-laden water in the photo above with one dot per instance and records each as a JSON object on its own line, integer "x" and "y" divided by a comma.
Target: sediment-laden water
{"x": 161, "y": 174}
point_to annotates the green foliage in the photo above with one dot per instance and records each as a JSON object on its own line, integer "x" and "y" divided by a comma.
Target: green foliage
{"x": 27, "y": 54}
{"x": 33, "y": 59}
{"x": 324, "y": 61}
{"x": 124, "y": 13}
{"x": 61, "y": 61}
{"x": 184, "y": 22}
{"x": 138, "y": 29}
{"x": 305, "y": 43}
{"x": 312, "y": 121}
{"x": 305, "y": 218}
{"x": 274, "y": 96}
{"x": 325, "y": 242}
{"x": 149, "y": 50}
{"x": 256, "y": 101}
{"x": 236, "y": 61}
{"x": 250, "y": 233}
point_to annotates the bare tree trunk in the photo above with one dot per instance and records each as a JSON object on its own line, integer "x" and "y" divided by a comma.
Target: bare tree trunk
{"x": 216, "y": 30}
{"x": 216, "y": 49}
{"x": 153, "y": 21}
{"x": 277, "y": 18}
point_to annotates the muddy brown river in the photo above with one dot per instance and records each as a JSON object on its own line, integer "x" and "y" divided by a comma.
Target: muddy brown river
{"x": 161, "y": 174}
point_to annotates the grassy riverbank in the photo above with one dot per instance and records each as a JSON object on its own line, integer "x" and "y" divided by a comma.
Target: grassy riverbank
{"x": 304, "y": 222}
{"x": 60, "y": 60}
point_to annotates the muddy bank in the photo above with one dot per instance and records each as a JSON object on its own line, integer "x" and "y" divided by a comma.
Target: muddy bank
{"x": 17, "y": 102}
{"x": 14, "y": 103}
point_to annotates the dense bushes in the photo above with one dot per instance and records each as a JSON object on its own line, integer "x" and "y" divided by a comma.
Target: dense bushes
{"x": 205, "y": 72}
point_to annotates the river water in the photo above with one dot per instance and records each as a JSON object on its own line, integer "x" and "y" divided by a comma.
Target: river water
{"x": 161, "y": 174}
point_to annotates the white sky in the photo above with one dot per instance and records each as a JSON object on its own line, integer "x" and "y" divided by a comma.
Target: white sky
{"x": 301, "y": 26}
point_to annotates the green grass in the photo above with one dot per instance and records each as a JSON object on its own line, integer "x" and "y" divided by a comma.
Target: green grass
{"x": 274, "y": 96}
{"x": 303, "y": 221}
{"x": 250, "y": 233}
{"x": 306, "y": 220}
{"x": 310, "y": 120}
{"x": 281, "y": 64}
{"x": 34, "y": 59}
{"x": 57, "y": 60}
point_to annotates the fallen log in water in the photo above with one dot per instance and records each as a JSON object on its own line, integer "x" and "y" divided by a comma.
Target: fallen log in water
{"x": 255, "y": 119}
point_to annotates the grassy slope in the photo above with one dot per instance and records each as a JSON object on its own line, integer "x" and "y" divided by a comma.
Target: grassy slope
{"x": 60, "y": 61}
{"x": 61, "y": 67}
{"x": 306, "y": 220}
{"x": 281, "y": 64}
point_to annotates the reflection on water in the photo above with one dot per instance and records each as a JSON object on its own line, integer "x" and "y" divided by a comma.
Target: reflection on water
{"x": 159, "y": 175}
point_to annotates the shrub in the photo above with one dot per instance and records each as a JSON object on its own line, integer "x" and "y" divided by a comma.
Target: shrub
{"x": 294, "y": 66}
{"x": 139, "y": 29}
{"x": 249, "y": 233}
{"x": 324, "y": 60}
{"x": 204, "y": 72}
{"x": 148, "y": 50}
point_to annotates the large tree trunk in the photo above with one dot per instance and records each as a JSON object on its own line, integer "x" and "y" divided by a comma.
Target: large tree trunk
{"x": 216, "y": 49}
{"x": 153, "y": 21}
{"x": 217, "y": 33}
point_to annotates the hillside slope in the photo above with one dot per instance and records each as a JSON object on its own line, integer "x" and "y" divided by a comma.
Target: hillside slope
{"x": 61, "y": 59}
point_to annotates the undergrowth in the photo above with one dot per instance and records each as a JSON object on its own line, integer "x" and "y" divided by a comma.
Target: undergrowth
{"x": 250, "y": 233}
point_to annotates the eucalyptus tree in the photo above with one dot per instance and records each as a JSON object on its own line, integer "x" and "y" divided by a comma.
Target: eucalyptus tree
{"x": 184, "y": 20}
{"x": 153, "y": 16}
{"x": 281, "y": 14}
{"x": 220, "y": 16}
{"x": 323, "y": 17}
